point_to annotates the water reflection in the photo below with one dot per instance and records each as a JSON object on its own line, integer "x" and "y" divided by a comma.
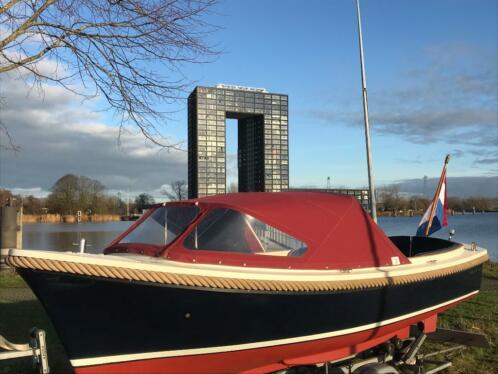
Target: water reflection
{"x": 66, "y": 236}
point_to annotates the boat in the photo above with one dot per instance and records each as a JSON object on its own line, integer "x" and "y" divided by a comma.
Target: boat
{"x": 248, "y": 283}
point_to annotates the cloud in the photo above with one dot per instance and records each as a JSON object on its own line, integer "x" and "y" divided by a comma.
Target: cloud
{"x": 457, "y": 186}
{"x": 457, "y": 153}
{"x": 35, "y": 191}
{"x": 58, "y": 133}
{"x": 453, "y": 99}
{"x": 492, "y": 161}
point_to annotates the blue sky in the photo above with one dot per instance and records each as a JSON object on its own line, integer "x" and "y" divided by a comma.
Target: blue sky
{"x": 432, "y": 82}
{"x": 310, "y": 51}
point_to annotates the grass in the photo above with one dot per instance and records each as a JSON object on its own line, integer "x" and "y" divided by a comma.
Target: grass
{"x": 479, "y": 315}
{"x": 19, "y": 311}
{"x": 10, "y": 280}
{"x": 490, "y": 270}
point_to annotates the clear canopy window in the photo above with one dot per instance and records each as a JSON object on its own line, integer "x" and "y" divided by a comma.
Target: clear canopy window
{"x": 228, "y": 230}
{"x": 162, "y": 226}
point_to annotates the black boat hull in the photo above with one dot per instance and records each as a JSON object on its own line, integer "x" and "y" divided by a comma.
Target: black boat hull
{"x": 101, "y": 319}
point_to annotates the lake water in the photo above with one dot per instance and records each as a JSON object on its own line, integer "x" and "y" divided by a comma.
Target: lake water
{"x": 66, "y": 236}
{"x": 479, "y": 228}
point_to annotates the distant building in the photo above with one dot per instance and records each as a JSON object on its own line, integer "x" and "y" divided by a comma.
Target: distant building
{"x": 362, "y": 195}
{"x": 263, "y": 144}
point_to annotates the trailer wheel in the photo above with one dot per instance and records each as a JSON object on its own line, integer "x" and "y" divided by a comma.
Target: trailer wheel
{"x": 376, "y": 368}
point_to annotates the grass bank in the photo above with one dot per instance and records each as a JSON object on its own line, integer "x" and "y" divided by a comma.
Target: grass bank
{"x": 20, "y": 311}
{"x": 57, "y": 218}
{"x": 479, "y": 315}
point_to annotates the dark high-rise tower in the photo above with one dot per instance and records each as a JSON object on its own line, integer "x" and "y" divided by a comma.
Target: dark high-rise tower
{"x": 263, "y": 146}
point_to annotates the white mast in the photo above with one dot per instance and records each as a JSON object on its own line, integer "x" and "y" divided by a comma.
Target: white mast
{"x": 371, "y": 182}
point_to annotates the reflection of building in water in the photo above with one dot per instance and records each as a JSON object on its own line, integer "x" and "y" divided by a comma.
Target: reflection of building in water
{"x": 263, "y": 150}
{"x": 360, "y": 194}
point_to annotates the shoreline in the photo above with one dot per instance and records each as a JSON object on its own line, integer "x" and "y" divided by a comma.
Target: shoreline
{"x": 58, "y": 218}
{"x": 420, "y": 213}
{"x": 69, "y": 218}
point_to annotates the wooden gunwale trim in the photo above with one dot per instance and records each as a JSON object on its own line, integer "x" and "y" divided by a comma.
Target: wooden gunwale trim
{"x": 113, "y": 272}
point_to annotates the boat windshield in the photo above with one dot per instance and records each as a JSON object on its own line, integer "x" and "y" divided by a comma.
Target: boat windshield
{"x": 162, "y": 226}
{"x": 228, "y": 230}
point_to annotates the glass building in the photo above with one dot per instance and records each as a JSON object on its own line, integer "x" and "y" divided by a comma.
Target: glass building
{"x": 362, "y": 195}
{"x": 263, "y": 142}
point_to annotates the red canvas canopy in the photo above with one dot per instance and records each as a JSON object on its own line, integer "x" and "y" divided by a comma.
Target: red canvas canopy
{"x": 338, "y": 232}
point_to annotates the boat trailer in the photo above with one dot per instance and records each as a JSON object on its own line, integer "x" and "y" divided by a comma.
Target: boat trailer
{"x": 400, "y": 356}
{"x": 392, "y": 357}
{"x": 37, "y": 348}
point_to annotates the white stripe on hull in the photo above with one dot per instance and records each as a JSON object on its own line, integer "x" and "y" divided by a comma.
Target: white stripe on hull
{"x": 239, "y": 347}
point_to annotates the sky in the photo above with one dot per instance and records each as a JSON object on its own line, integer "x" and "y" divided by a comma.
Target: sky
{"x": 431, "y": 69}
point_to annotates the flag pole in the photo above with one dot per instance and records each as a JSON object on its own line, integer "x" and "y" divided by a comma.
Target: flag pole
{"x": 371, "y": 182}
{"x": 436, "y": 195}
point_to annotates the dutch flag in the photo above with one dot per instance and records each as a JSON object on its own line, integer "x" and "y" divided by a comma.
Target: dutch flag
{"x": 435, "y": 216}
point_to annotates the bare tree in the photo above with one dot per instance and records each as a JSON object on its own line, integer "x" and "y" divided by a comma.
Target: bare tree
{"x": 72, "y": 193}
{"x": 143, "y": 201}
{"x": 176, "y": 190}
{"x": 129, "y": 51}
{"x": 390, "y": 198}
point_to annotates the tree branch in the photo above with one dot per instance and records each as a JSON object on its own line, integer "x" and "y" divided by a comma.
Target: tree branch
{"x": 10, "y": 4}
{"x": 25, "y": 26}
{"x": 130, "y": 52}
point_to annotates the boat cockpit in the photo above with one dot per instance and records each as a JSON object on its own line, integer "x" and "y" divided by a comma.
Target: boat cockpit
{"x": 413, "y": 246}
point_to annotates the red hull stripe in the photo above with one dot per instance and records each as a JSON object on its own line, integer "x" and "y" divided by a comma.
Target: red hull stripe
{"x": 362, "y": 331}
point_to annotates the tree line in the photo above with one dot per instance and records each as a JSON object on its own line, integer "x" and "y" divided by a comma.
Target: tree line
{"x": 390, "y": 199}
{"x": 72, "y": 193}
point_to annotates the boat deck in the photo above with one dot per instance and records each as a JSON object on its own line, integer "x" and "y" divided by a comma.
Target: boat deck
{"x": 159, "y": 270}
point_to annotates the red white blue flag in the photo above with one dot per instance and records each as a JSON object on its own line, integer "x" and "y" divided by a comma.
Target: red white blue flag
{"x": 435, "y": 216}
